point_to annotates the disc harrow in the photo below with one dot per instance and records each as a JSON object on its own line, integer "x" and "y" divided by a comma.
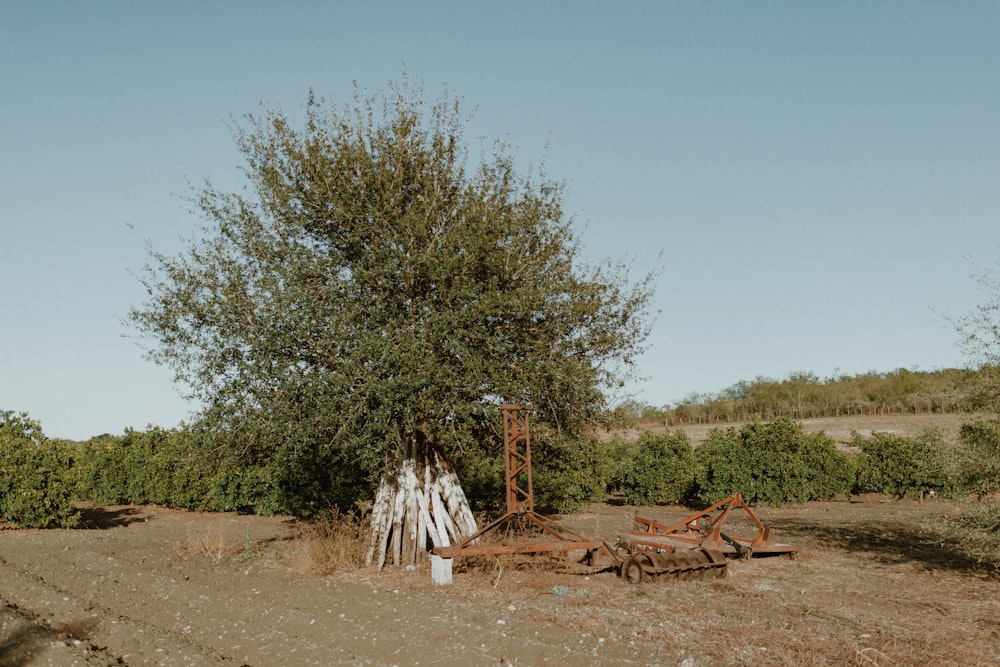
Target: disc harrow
{"x": 682, "y": 565}
{"x": 705, "y": 529}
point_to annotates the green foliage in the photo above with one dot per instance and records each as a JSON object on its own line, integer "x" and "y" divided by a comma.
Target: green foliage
{"x": 614, "y": 460}
{"x": 980, "y": 451}
{"x": 180, "y": 468}
{"x": 376, "y": 288}
{"x": 156, "y": 466}
{"x": 566, "y": 473}
{"x": 36, "y": 487}
{"x": 657, "y": 468}
{"x": 906, "y": 467}
{"x": 775, "y": 462}
{"x": 248, "y": 488}
{"x": 480, "y": 468}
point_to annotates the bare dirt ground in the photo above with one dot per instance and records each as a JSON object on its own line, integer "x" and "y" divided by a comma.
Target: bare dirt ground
{"x": 877, "y": 582}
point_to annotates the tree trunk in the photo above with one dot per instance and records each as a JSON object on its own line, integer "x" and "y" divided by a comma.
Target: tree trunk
{"x": 418, "y": 506}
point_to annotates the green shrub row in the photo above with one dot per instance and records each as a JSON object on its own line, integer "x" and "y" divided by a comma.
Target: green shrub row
{"x": 774, "y": 462}
{"x": 657, "y": 468}
{"x": 179, "y": 468}
{"x": 40, "y": 478}
{"x": 36, "y": 480}
{"x": 903, "y": 466}
{"x": 777, "y": 462}
{"x": 980, "y": 456}
{"x": 767, "y": 462}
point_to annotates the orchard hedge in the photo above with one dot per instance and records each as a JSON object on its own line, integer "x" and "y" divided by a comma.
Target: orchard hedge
{"x": 36, "y": 484}
{"x": 907, "y": 467}
{"x": 772, "y": 462}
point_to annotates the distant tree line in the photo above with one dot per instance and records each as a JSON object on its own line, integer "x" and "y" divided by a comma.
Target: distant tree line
{"x": 804, "y": 395}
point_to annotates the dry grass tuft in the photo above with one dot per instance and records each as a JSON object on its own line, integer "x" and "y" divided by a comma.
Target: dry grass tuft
{"x": 332, "y": 545}
{"x": 212, "y": 544}
{"x": 513, "y": 573}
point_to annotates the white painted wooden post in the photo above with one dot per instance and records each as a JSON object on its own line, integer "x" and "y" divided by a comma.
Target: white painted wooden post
{"x": 441, "y": 570}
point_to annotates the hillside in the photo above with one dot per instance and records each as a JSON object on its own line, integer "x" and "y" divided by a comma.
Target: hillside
{"x": 841, "y": 428}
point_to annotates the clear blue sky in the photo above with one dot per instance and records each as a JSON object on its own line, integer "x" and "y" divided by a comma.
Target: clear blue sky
{"x": 816, "y": 173}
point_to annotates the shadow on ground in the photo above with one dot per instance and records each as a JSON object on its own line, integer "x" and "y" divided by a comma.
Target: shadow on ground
{"x": 102, "y": 518}
{"x": 30, "y": 636}
{"x": 890, "y": 543}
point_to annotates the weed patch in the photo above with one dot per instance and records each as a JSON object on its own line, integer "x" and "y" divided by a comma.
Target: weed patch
{"x": 333, "y": 544}
{"x": 213, "y": 544}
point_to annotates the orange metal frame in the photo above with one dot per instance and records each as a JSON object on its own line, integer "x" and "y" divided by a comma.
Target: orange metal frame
{"x": 521, "y": 513}
{"x": 702, "y": 529}
{"x": 517, "y": 458}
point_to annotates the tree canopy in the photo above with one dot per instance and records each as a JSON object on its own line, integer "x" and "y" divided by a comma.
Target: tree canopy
{"x": 374, "y": 286}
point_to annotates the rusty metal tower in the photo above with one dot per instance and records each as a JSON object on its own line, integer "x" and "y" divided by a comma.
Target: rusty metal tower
{"x": 517, "y": 458}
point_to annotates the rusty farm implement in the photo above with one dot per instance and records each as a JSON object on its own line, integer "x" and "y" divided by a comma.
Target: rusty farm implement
{"x": 695, "y": 548}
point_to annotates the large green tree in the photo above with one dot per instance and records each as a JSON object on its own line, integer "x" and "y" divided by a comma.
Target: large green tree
{"x": 373, "y": 293}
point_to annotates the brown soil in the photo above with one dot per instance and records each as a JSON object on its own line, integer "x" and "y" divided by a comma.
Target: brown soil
{"x": 877, "y": 582}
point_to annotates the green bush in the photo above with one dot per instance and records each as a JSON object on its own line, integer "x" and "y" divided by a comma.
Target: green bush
{"x": 774, "y": 462}
{"x": 156, "y": 466}
{"x": 981, "y": 455}
{"x": 36, "y": 486}
{"x": 481, "y": 471}
{"x": 658, "y": 468}
{"x": 251, "y": 488}
{"x": 566, "y": 473}
{"x": 177, "y": 468}
{"x": 614, "y": 459}
{"x": 907, "y": 467}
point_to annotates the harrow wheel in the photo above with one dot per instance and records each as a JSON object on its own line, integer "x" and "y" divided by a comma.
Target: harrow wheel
{"x": 634, "y": 569}
{"x": 685, "y": 565}
{"x": 679, "y": 566}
